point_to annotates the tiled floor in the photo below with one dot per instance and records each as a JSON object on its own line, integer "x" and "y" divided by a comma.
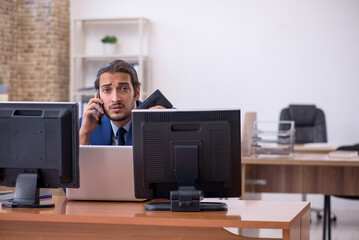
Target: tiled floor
{"x": 345, "y": 228}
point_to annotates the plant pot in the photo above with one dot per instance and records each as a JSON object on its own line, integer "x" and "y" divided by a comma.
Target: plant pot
{"x": 109, "y": 48}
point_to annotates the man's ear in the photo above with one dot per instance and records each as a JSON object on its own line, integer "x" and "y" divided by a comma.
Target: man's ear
{"x": 137, "y": 94}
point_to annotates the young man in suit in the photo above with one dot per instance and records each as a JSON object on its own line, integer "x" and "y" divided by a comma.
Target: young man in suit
{"x": 106, "y": 119}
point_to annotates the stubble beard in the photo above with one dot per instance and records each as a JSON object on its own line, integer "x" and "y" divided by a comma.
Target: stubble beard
{"x": 122, "y": 117}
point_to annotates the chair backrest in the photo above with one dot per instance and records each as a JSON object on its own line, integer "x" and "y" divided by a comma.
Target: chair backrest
{"x": 310, "y": 126}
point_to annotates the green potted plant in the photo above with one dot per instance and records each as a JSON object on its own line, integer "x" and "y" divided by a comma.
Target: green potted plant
{"x": 109, "y": 44}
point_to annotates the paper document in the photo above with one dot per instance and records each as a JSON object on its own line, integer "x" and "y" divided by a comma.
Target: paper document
{"x": 343, "y": 154}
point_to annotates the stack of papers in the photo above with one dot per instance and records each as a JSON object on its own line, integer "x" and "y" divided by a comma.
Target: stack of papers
{"x": 6, "y": 195}
{"x": 343, "y": 154}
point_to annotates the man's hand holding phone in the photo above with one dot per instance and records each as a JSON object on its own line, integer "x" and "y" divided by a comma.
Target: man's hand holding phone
{"x": 101, "y": 105}
{"x": 91, "y": 118}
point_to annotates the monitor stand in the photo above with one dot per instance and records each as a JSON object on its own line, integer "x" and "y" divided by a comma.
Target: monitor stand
{"x": 187, "y": 198}
{"x": 27, "y": 194}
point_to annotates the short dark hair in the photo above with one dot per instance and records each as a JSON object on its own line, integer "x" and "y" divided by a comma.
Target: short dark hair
{"x": 115, "y": 67}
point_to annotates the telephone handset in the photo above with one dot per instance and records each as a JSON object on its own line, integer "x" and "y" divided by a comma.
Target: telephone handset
{"x": 98, "y": 96}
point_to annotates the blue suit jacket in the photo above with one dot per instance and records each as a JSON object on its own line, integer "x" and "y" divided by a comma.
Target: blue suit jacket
{"x": 102, "y": 135}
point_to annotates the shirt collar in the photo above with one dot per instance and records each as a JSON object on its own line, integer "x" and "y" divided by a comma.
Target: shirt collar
{"x": 115, "y": 127}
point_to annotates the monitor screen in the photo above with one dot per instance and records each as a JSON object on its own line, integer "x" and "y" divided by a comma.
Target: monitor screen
{"x": 185, "y": 155}
{"x": 39, "y": 148}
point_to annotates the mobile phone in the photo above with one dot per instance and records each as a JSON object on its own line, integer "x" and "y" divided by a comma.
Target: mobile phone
{"x": 98, "y": 95}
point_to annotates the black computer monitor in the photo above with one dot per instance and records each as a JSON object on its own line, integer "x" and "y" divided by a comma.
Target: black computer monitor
{"x": 39, "y": 148}
{"x": 186, "y": 155}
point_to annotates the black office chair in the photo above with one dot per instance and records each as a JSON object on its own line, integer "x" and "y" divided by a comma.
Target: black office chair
{"x": 327, "y": 210}
{"x": 309, "y": 121}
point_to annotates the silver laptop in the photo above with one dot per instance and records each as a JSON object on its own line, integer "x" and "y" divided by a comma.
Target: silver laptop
{"x": 106, "y": 174}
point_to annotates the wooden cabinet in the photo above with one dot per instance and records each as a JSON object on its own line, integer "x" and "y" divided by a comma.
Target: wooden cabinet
{"x": 88, "y": 53}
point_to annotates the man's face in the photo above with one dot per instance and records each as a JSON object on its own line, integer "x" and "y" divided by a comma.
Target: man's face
{"x": 118, "y": 95}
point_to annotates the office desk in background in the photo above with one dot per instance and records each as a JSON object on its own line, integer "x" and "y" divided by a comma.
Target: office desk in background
{"x": 303, "y": 173}
{"x": 129, "y": 220}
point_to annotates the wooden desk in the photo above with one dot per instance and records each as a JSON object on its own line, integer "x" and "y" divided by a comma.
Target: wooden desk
{"x": 303, "y": 173}
{"x": 128, "y": 220}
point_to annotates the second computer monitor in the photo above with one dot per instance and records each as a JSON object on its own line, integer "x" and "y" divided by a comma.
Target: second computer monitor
{"x": 187, "y": 154}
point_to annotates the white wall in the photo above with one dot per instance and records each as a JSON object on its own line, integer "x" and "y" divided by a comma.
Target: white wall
{"x": 259, "y": 55}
